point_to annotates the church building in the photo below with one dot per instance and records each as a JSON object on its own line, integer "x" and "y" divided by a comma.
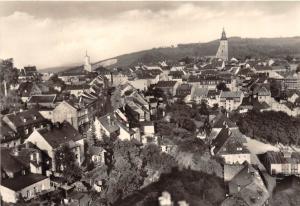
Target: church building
{"x": 87, "y": 63}
{"x": 222, "y": 52}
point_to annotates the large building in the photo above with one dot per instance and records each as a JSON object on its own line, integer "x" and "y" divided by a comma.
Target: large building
{"x": 222, "y": 52}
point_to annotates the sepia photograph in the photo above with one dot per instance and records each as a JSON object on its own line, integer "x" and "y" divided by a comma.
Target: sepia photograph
{"x": 150, "y": 103}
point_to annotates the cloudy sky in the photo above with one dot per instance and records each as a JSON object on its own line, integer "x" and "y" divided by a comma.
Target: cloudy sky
{"x": 50, "y": 34}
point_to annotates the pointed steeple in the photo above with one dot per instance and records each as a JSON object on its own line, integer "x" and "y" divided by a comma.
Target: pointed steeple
{"x": 223, "y": 37}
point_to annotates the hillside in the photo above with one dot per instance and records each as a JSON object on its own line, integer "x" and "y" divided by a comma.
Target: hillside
{"x": 238, "y": 47}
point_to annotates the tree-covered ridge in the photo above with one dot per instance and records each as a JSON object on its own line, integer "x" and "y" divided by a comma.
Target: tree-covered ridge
{"x": 272, "y": 127}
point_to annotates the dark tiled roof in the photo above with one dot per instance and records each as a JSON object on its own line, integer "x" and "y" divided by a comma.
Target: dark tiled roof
{"x": 77, "y": 87}
{"x": 20, "y": 182}
{"x": 166, "y": 84}
{"x": 10, "y": 163}
{"x": 42, "y": 98}
{"x": 228, "y": 142}
{"x": 278, "y": 157}
{"x": 109, "y": 122}
{"x": 32, "y": 116}
{"x": 6, "y": 133}
{"x": 56, "y": 136}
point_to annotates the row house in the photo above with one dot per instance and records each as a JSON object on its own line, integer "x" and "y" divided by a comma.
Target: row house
{"x": 282, "y": 163}
{"x": 25, "y": 122}
{"x": 230, "y": 100}
{"x": 78, "y": 112}
{"x": 168, "y": 87}
{"x": 76, "y": 90}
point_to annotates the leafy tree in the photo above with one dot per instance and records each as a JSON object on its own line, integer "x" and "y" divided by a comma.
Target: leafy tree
{"x": 203, "y": 110}
{"x": 65, "y": 162}
{"x": 8, "y": 73}
{"x": 222, "y": 86}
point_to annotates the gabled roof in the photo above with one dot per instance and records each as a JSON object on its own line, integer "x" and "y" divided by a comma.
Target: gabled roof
{"x": 249, "y": 186}
{"x": 9, "y": 163}
{"x": 31, "y": 116}
{"x": 57, "y": 136}
{"x": 109, "y": 123}
{"x": 20, "y": 182}
{"x": 229, "y": 142}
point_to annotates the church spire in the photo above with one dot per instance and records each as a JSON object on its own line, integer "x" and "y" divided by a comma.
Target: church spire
{"x": 223, "y": 35}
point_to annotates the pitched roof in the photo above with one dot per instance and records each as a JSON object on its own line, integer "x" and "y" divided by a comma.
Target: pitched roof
{"x": 166, "y": 84}
{"x": 6, "y": 133}
{"x": 230, "y": 94}
{"x": 43, "y": 98}
{"x": 77, "y": 87}
{"x": 24, "y": 118}
{"x": 200, "y": 92}
{"x": 249, "y": 186}
{"x": 109, "y": 123}
{"x": 9, "y": 163}
{"x": 20, "y": 182}
{"x": 229, "y": 141}
{"x": 59, "y": 135}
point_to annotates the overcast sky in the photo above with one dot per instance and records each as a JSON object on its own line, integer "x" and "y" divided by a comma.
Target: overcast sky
{"x": 50, "y": 34}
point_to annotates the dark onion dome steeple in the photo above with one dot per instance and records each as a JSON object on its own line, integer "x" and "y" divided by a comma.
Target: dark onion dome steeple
{"x": 223, "y": 37}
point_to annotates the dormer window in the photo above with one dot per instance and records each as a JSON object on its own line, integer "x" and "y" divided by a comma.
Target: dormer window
{"x": 34, "y": 117}
{"x": 239, "y": 149}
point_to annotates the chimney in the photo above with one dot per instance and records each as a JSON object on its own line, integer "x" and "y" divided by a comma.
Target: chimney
{"x": 38, "y": 157}
{"x": 49, "y": 127}
{"x": 5, "y": 88}
{"x": 32, "y": 157}
{"x": 16, "y": 151}
{"x": 108, "y": 119}
{"x": 238, "y": 188}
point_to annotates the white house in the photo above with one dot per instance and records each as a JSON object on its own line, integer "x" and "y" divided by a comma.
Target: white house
{"x": 27, "y": 187}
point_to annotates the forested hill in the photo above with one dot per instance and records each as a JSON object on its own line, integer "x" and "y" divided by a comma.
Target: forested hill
{"x": 238, "y": 47}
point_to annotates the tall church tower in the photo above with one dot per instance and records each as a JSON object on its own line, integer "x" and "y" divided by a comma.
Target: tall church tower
{"x": 87, "y": 63}
{"x": 222, "y": 52}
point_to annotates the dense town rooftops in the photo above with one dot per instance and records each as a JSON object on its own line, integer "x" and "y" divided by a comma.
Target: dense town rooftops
{"x": 20, "y": 182}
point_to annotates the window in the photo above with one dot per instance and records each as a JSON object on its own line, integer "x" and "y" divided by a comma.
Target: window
{"x": 26, "y": 131}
